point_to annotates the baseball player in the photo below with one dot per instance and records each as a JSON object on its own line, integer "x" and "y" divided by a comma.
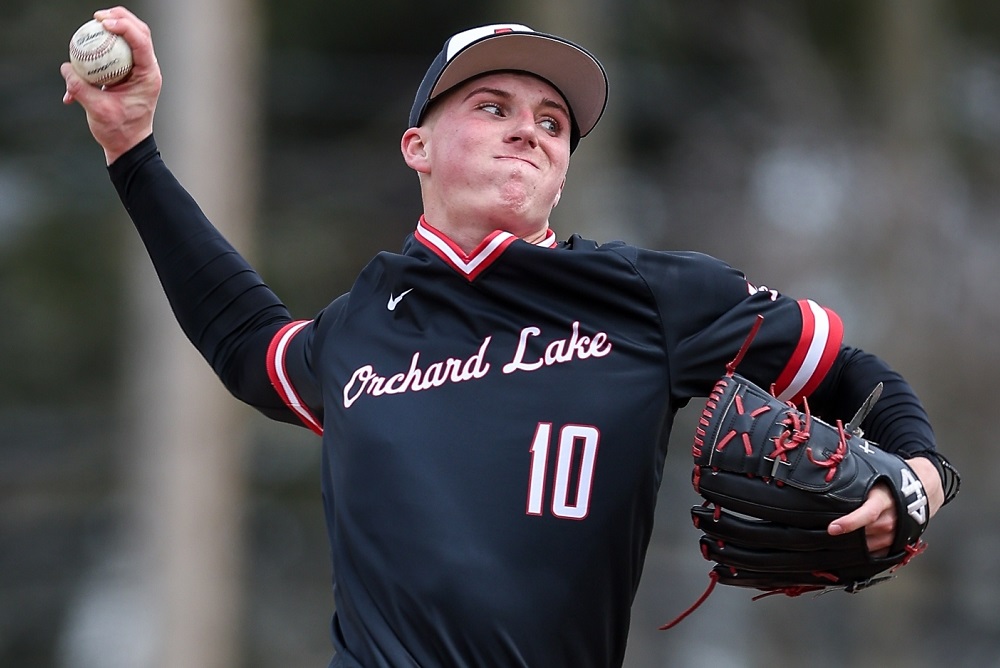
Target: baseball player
{"x": 494, "y": 402}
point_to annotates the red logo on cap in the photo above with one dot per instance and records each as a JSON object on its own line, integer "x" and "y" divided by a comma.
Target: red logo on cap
{"x": 502, "y": 30}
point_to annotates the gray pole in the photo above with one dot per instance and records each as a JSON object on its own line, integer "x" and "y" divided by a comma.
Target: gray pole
{"x": 190, "y": 440}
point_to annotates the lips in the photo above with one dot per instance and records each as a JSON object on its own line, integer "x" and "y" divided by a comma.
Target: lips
{"x": 517, "y": 158}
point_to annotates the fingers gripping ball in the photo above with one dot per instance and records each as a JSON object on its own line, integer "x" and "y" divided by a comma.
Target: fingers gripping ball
{"x": 774, "y": 477}
{"x": 100, "y": 57}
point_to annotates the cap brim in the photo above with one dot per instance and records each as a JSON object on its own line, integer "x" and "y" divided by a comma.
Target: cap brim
{"x": 571, "y": 69}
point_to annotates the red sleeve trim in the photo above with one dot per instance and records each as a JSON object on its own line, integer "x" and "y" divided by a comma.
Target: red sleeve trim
{"x": 277, "y": 372}
{"x": 819, "y": 343}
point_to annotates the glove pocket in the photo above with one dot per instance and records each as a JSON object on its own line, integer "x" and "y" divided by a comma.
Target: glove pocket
{"x": 723, "y": 525}
{"x": 771, "y": 500}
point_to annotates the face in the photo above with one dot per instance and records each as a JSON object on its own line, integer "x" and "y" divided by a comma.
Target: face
{"x": 494, "y": 149}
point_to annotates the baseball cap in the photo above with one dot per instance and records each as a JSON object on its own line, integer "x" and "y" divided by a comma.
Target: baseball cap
{"x": 570, "y": 68}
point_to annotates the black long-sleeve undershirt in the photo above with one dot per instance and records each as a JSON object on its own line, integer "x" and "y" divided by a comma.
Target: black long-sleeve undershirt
{"x": 897, "y": 422}
{"x": 222, "y": 305}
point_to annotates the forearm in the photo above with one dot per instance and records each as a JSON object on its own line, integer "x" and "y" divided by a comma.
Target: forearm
{"x": 218, "y": 299}
{"x": 897, "y": 422}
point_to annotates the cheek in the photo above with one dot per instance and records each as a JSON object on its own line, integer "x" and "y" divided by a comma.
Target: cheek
{"x": 560, "y": 166}
{"x": 456, "y": 157}
{"x": 455, "y": 168}
{"x": 560, "y": 159}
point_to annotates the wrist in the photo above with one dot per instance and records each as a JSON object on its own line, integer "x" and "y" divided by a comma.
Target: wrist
{"x": 951, "y": 481}
{"x": 116, "y": 149}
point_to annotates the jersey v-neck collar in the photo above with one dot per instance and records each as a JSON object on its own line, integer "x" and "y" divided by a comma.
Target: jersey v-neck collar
{"x": 482, "y": 256}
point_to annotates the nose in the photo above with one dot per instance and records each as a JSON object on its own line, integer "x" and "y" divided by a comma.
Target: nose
{"x": 523, "y": 129}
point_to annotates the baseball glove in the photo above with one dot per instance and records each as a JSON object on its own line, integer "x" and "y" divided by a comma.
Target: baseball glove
{"x": 773, "y": 478}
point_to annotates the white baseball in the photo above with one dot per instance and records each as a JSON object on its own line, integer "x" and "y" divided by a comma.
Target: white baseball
{"x": 99, "y": 57}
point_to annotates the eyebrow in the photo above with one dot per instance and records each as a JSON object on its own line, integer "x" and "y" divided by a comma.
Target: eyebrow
{"x": 546, "y": 102}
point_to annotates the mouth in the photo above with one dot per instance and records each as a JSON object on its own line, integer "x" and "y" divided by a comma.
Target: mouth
{"x": 518, "y": 159}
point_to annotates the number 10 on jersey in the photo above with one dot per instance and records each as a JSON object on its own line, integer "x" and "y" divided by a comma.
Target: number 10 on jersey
{"x": 571, "y": 481}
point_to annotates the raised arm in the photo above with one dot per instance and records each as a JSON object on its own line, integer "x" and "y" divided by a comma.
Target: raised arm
{"x": 222, "y": 305}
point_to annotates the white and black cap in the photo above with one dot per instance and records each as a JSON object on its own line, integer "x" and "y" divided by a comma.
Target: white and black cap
{"x": 570, "y": 68}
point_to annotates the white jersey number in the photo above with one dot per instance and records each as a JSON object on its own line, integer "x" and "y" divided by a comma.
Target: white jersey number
{"x": 576, "y": 455}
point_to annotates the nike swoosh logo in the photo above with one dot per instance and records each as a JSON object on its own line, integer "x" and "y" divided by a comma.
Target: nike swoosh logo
{"x": 394, "y": 301}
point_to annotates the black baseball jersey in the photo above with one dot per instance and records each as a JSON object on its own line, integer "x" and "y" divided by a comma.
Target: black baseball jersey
{"x": 494, "y": 424}
{"x": 495, "y": 427}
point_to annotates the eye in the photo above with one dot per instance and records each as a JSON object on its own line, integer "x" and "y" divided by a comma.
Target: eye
{"x": 550, "y": 125}
{"x": 491, "y": 108}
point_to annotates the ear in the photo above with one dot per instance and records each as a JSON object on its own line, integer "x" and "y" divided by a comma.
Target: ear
{"x": 414, "y": 148}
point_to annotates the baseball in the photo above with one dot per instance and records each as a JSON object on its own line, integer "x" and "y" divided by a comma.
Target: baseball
{"x": 99, "y": 57}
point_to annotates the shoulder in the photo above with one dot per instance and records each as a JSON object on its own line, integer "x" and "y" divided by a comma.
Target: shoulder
{"x": 688, "y": 259}
{"x": 675, "y": 268}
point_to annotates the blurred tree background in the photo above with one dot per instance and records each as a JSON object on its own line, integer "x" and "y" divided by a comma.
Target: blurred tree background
{"x": 847, "y": 151}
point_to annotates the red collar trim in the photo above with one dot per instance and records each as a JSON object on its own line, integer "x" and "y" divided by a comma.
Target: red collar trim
{"x": 472, "y": 264}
